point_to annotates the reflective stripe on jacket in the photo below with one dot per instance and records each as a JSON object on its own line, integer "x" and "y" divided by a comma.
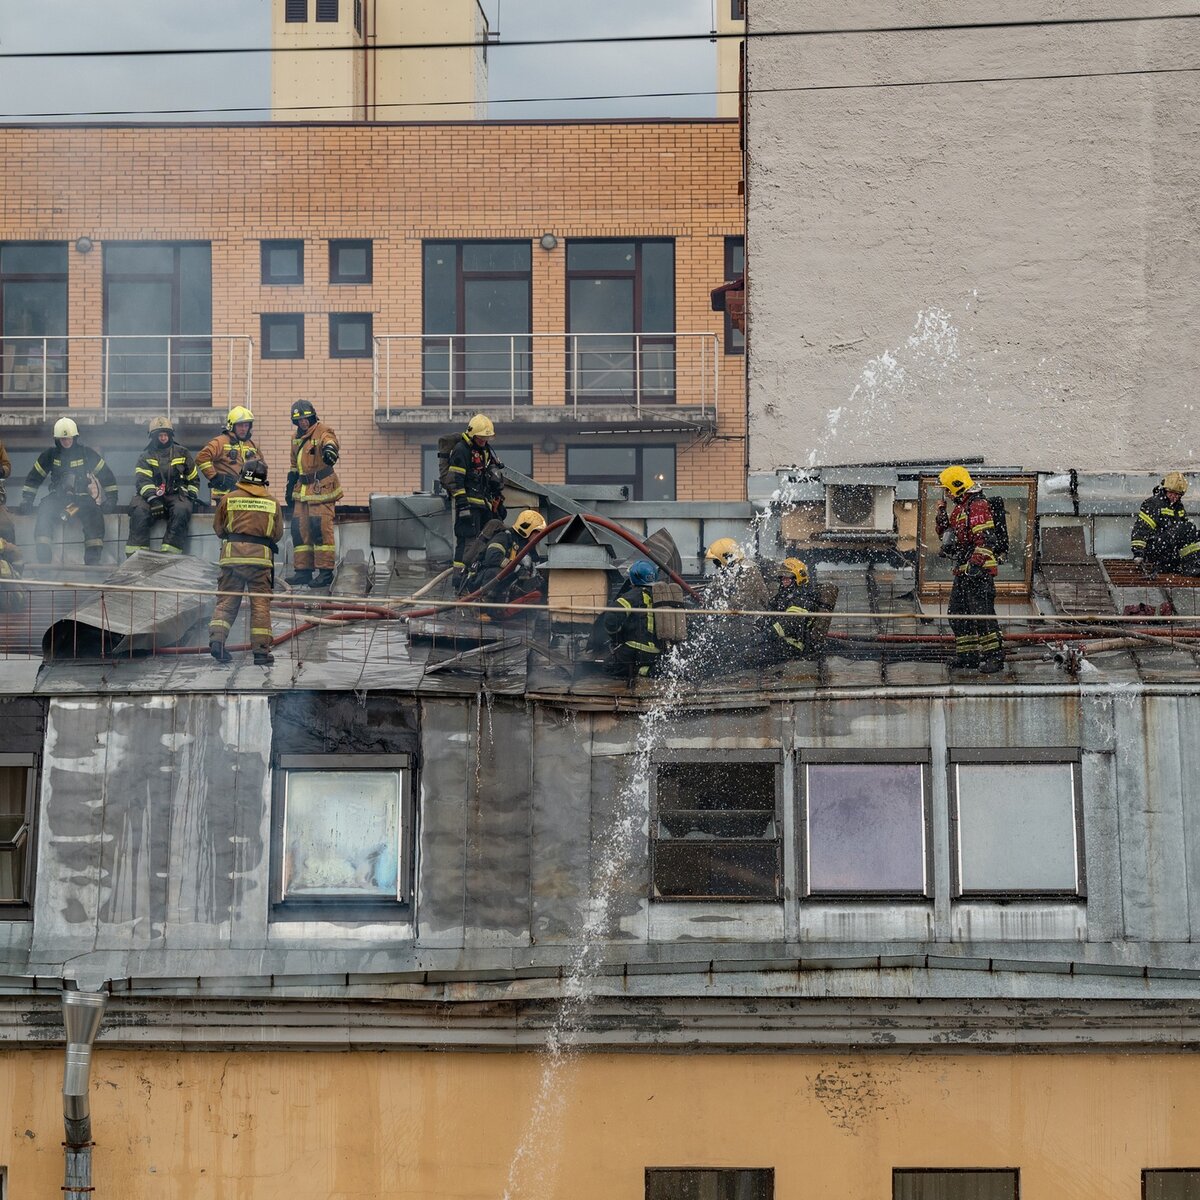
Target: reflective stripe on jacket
{"x": 634, "y": 627}
{"x": 226, "y": 455}
{"x": 66, "y": 471}
{"x": 974, "y": 533}
{"x": 252, "y": 510}
{"x": 169, "y": 467}
{"x": 318, "y": 482}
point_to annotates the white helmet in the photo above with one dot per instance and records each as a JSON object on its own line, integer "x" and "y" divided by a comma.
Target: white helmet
{"x": 65, "y": 427}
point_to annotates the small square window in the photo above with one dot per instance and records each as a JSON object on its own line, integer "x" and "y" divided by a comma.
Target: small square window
{"x": 327, "y": 10}
{"x": 282, "y": 261}
{"x": 350, "y": 335}
{"x": 18, "y": 773}
{"x": 864, "y": 828}
{"x": 1015, "y": 825}
{"x": 296, "y": 10}
{"x": 282, "y": 335}
{"x": 1173, "y": 1183}
{"x": 939, "y": 1184}
{"x": 705, "y": 1183}
{"x": 715, "y": 830}
{"x": 343, "y": 837}
{"x": 350, "y": 260}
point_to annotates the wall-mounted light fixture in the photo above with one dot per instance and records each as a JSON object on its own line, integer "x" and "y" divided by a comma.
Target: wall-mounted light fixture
{"x": 84, "y": 245}
{"x": 549, "y": 445}
{"x": 548, "y": 241}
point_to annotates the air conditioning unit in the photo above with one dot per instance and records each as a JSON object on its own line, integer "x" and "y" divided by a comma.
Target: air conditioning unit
{"x": 859, "y": 508}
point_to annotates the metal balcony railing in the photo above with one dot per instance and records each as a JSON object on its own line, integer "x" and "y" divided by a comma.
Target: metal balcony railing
{"x": 127, "y": 370}
{"x": 487, "y": 370}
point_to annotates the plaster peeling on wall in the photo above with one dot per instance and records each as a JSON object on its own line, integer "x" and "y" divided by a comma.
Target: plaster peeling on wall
{"x": 852, "y": 1096}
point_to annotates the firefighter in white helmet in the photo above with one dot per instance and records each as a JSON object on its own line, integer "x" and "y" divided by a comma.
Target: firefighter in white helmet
{"x": 79, "y": 484}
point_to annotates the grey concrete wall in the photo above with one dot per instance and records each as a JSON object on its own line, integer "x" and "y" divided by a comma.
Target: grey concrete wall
{"x": 1002, "y": 269}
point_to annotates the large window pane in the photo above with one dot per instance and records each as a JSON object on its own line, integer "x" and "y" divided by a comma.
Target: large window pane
{"x": 1171, "y": 1185}
{"x": 647, "y": 471}
{"x": 600, "y": 256}
{"x": 36, "y": 258}
{"x": 441, "y": 289}
{"x": 658, "y": 287}
{"x": 496, "y": 257}
{"x": 602, "y": 460}
{"x": 658, "y": 473}
{"x": 33, "y": 322}
{"x": 602, "y": 306}
{"x": 955, "y": 1185}
{"x": 709, "y": 1184}
{"x": 865, "y": 827}
{"x": 342, "y": 833}
{"x": 15, "y": 842}
{"x": 1016, "y": 827}
{"x": 148, "y": 259}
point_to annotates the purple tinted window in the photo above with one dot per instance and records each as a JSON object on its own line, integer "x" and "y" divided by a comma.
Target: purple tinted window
{"x": 865, "y": 827}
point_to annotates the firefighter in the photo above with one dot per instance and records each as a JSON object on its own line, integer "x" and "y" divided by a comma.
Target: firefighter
{"x": 635, "y": 649}
{"x": 79, "y": 484}
{"x": 5, "y": 472}
{"x": 476, "y": 486}
{"x": 502, "y": 549}
{"x": 738, "y": 583}
{"x": 221, "y": 461}
{"x": 312, "y": 494}
{"x": 1163, "y": 538}
{"x": 789, "y": 635}
{"x": 10, "y": 554}
{"x": 249, "y": 523}
{"x": 166, "y": 487}
{"x": 971, "y": 543}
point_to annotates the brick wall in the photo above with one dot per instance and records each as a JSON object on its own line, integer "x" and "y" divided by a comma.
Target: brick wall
{"x": 398, "y": 185}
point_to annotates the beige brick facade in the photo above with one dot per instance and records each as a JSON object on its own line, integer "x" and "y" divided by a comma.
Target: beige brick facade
{"x": 396, "y": 185}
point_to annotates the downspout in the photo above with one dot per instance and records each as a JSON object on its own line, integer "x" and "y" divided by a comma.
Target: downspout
{"x": 82, "y": 1014}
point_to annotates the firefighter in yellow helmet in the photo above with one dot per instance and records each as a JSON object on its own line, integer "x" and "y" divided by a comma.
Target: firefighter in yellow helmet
{"x": 475, "y": 481}
{"x": 968, "y": 532}
{"x": 503, "y": 548}
{"x": 165, "y": 488}
{"x": 1163, "y": 537}
{"x": 221, "y": 461}
{"x": 249, "y": 523}
{"x": 312, "y": 493}
{"x": 79, "y": 483}
{"x": 738, "y": 583}
{"x": 789, "y": 635}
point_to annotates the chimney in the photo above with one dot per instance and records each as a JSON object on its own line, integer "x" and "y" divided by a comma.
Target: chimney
{"x": 82, "y": 1014}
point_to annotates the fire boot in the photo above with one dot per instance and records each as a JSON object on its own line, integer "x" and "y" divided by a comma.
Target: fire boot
{"x": 300, "y": 577}
{"x": 991, "y": 663}
{"x": 218, "y": 651}
{"x": 263, "y": 658}
{"x": 322, "y": 578}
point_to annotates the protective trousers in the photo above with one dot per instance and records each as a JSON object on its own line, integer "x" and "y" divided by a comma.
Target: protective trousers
{"x": 312, "y": 536}
{"x": 237, "y": 578}
{"x": 178, "y": 513}
{"x": 54, "y": 510}
{"x": 973, "y": 593}
{"x": 468, "y": 523}
{"x": 1176, "y": 550}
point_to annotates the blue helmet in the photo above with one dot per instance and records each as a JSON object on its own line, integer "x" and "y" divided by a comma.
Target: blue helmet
{"x": 643, "y": 572}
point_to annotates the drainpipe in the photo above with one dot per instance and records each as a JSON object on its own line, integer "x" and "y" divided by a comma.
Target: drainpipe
{"x": 82, "y": 1014}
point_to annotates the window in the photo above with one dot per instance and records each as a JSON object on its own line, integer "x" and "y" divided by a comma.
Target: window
{"x": 158, "y": 318}
{"x": 1174, "y": 1183}
{"x": 647, "y": 472}
{"x": 700, "y": 1183}
{"x": 864, "y": 824}
{"x": 358, "y": 17}
{"x": 18, "y": 774}
{"x": 33, "y": 322}
{"x": 737, "y": 10}
{"x": 476, "y": 320}
{"x": 296, "y": 10}
{"x": 350, "y": 260}
{"x": 1015, "y": 823}
{"x": 715, "y": 829}
{"x": 327, "y": 10}
{"x": 938, "y": 1184}
{"x": 282, "y": 261}
{"x": 621, "y": 321}
{"x": 350, "y": 335}
{"x": 735, "y": 265}
{"x": 282, "y": 335}
{"x": 520, "y": 458}
{"x": 343, "y": 837}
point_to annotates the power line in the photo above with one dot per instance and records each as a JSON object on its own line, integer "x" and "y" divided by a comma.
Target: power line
{"x": 812, "y": 87}
{"x": 613, "y": 39}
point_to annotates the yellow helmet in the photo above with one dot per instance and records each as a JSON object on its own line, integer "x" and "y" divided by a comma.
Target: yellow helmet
{"x": 956, "y": 480}
{"x": 161, "y": 424}
{"x": 480, "y": 426}
{"x": 796, "y": 569}
{"x": 725, "y": 552}
{"x": 65, "y": 427}
{"x": 529, "y": 522}
{"x": 238, "y": 416}
{"x": 1174, "y": 482}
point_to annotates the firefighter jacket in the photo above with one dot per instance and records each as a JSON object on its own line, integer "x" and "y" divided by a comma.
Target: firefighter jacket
{"x": 166, "y": 470}
{"x": 478, "y": 480}
{"x": 1162, "y": 530}
{"x": 249, "y": 523}
{"x": 498, "y": 553}
{"x": 10, "y": 554}
{"x": 5, "y": 470}
{"x": 796, "y": 604}
{"x": 970, "y": 521}
{"x": 313, "y": 454}
{"x": 221, "y": 461}
{"x": 66, "y": 472}
{"x": 634, "y": 626}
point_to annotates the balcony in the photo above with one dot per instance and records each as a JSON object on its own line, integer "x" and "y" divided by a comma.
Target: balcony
{"x": 592, "y": 382}
{"x": 128, "y": 375}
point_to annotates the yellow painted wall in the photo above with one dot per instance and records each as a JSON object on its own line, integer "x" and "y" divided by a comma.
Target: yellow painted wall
{"x": 391, "y": 1125}
{"x": 323, "y": 86}
{"x": 728, "y": 61}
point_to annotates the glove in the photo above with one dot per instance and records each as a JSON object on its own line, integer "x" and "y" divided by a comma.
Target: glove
{"x": 224, "y": 483}
{"x": 25, "y": 508}
{"x": 329, "y": 453}
{"x": 158, "y": 510}
{"x": 292, "y": 479}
